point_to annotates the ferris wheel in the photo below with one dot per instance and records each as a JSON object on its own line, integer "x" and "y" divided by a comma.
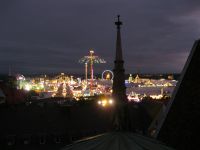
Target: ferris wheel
{"x": 107, "y": 75}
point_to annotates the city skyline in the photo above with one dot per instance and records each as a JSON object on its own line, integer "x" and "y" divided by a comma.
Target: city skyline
{"x": 51, "y": 36}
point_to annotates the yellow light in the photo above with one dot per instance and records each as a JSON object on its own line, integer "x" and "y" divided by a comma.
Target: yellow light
{"x": 110, "y": 101}
{"x": 27, "y": 87}
{"x": 91, "y": 51}
{"x": 42, "y": 85}
{"x": 104, "y": 102}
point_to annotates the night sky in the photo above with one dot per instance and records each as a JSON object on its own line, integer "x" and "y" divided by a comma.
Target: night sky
{"x": 50, "y": 36}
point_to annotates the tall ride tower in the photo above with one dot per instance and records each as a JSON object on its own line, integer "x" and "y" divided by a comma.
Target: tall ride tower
{"x": 119, "y": 89}
{"x": 91, "y": 59}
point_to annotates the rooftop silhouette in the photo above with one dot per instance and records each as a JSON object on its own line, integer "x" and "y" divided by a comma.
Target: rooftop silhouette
{"x": 180, "y": 128}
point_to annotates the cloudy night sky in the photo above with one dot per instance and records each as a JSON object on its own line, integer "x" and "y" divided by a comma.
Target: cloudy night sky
{"x": 50, "y": 36}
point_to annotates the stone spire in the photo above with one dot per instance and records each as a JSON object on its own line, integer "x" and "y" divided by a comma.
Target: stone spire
{"x": 118, "y": 43}
{"x": 119, "y": 89}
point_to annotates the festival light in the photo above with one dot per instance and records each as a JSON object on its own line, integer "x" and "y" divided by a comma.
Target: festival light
{"x": 27, "y": 87}
{"x": 105, "y": 102}
{"x": 91, "y": 59}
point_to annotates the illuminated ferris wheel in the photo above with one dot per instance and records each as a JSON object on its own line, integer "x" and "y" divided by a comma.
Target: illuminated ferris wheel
{"x": 107, "y": 75}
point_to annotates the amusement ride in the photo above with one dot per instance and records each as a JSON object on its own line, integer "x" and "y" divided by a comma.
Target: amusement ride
{"x": 91, "y": 59}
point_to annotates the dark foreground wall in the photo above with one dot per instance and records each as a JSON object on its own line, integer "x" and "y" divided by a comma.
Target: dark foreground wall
{"x": 181, "y": 126}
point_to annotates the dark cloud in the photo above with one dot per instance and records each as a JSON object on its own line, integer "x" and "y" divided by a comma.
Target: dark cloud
{"x": 44, "y": 36}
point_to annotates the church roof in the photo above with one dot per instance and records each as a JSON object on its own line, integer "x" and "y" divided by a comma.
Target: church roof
{"x": 117, "y": 141}
{"x": 181, "y": 125}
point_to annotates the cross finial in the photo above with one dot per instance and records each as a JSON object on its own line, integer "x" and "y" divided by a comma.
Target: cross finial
{"x": 118, "y": 23}
{"x": 118, "y": 17}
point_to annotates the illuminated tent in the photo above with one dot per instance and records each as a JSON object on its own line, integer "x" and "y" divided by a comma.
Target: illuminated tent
{"x": 117, "y": 141}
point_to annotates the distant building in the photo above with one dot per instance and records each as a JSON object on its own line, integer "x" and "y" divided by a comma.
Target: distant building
{"x": 137, "y": 79}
